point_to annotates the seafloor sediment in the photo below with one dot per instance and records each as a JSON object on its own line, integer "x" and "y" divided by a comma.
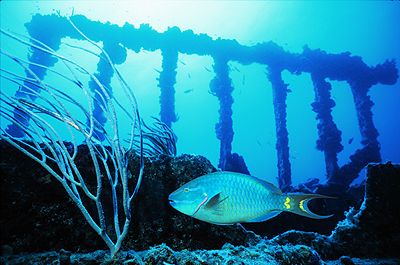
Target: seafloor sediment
{"x": 40, "y": 225}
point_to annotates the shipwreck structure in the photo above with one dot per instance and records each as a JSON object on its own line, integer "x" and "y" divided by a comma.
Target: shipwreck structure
{"x": 322, "y": 66}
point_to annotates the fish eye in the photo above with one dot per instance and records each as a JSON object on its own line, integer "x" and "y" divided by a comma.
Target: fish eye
{"x": 186, "y": 190}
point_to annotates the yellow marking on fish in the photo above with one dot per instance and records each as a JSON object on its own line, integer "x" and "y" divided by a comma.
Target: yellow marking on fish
{"x": 287, "y": 203}
{"x": 302, "y": 206}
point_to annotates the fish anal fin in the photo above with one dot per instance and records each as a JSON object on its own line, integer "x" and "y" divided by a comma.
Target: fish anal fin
{"x": 265, "y": 217}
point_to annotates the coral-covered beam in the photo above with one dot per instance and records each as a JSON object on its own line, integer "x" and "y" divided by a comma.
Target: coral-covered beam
{"x": 363, "y": 104}
{"x": 166, "y": 83}
{"x": 370, "y": 151}
{"x": 329, "y": 135}
{"x": 341, "y": 67}
{"x": 279, "y": 89}
{"x": 104, "y": 75}
{"x": 221, "y": 87}
{"x": 35, "y": 72}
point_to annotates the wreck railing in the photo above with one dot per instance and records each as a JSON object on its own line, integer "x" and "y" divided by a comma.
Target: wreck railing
{"x": 42, "y": 111}
{"x": 321, "y": 65}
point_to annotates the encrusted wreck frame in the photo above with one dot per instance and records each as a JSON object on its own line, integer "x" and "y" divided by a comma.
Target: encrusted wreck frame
{"x": 322, "y": 66}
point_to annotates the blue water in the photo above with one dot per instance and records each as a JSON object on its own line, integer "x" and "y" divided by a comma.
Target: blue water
{"x": 369, "y": 30}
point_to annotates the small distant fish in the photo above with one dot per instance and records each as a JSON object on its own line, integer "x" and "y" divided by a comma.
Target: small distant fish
{"x": 350, "y": 140}
{"x": 158, "y": 71}
{"x": 189, "y": 76}
{"x": 208, "y": 70}
{"x": 182, "y": 62}
{"x": 229, "y": 198}
{"x": 235, "y": 68}
{"x": 188, "y": 90}
{"x": 289, "y": 90}
{"x": 259, "y": 143}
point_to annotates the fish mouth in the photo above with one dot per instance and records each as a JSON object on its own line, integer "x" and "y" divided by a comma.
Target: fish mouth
{"x": 171, "y": 202}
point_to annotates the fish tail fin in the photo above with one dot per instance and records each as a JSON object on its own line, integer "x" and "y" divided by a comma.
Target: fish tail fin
{"x": 297, "y": 203}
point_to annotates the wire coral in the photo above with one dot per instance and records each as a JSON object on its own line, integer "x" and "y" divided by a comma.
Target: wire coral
{"x": 158, "y": 139}
{"x": 44, "y": 113}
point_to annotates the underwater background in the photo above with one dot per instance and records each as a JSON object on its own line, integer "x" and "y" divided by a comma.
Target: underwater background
{"x": 365, "y": 29}
{"x": 304, "y": 95}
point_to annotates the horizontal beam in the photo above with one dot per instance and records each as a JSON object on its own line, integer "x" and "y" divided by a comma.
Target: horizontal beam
{"x": 340, "y": 67}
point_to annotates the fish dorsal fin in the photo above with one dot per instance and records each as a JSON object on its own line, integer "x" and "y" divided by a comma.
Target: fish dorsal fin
{"x": 271, "y": 187}
{"x": 215, "y": 203}
{"x": 265, "y": 217}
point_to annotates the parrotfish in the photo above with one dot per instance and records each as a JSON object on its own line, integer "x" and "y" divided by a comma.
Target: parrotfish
{"x": 229, "y": 198}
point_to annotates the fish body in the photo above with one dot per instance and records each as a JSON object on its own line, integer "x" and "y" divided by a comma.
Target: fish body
{"x": 230, "y": 198}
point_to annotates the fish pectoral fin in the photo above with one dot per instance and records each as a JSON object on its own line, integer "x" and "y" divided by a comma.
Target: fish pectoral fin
{"x": 215, "y": 203}
{"x": 215, "y": 200}
{"x": 265, "y": 217}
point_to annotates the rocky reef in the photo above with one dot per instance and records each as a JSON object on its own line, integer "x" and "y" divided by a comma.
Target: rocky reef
{"x": 38, "y": 218}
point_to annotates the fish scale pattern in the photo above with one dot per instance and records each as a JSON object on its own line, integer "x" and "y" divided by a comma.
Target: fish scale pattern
{"x": 252, "y": 200}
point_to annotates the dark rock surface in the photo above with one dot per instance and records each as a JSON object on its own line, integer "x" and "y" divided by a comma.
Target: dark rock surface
{"x": 37, "y": 217}
{"x": 258, "y": 254}
{"x": 371, "y": 231}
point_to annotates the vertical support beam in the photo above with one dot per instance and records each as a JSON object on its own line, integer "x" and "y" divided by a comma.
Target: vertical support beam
{"x": 166, "y": 84}
{"x": 221, "y": 87}
{"x": 370, "y": 152}
{"x": 104, "y": 74}
{"x": 279, "y": 90}
{"x": 39, "y": 57}
{"x": 329, "y": 135}
{"x": 368, "y": 131}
